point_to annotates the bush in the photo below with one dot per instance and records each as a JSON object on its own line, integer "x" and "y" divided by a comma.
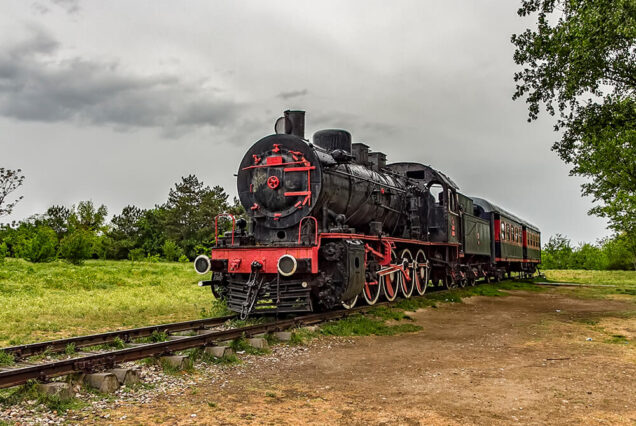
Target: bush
{"x": 183, "y": 258}
{"x": 137, "y": 255}
{"x": 36, "y": 243}
{"x": 4, "y": 251}
{"x": 77, "y": 246}
{"x": 171, "y": 251}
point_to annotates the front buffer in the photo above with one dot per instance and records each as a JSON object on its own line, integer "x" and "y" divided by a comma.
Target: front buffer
{"x": 286, "y": 279}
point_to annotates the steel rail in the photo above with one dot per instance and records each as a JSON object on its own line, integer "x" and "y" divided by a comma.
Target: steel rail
{"x": 17, "y": 376}
{"x": 55, "y": 346}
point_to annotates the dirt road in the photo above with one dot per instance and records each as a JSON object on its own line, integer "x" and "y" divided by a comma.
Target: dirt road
{"x": 524, "y": 358}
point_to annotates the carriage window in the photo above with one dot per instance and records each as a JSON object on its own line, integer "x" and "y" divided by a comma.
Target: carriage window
{"x": 503, "y": 231}
{"x": 507, "y": 232}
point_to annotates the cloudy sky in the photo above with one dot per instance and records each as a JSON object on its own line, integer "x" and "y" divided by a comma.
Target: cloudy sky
{"x": 115, "y": 101}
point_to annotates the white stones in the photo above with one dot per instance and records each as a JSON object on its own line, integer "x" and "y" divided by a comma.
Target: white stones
{"x": 258, "y": 343}
{"x": 126, "y": 376}
{"x": 58, "y": 389}
{"x": 103, "y": 382}
{"x": 219, "y": 351}
{"x": 283, "y": 336}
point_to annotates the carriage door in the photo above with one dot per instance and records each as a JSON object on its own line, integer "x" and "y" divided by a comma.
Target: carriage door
{"x": 454, "y": 222}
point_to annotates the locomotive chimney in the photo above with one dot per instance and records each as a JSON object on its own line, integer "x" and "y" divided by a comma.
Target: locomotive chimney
{"x": 295, "y": 123}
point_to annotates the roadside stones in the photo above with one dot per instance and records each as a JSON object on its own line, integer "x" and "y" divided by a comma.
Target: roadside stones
{"x": 126, "y": 376}
{"x": 283, "y": 336}
{"x": 103, "y": 382}
{"x": 58, "y": 389}
{"x": 219, "y": 351}
{"x": 258, "y": 343}
{"x": 178, "y": 362}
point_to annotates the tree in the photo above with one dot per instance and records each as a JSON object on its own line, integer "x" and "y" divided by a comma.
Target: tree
{"x": 35, "y": 242}
{"x": 125, "y": 232}
{"x": 580, "y": 63}
{"x": 190, "y": 213}
{"x": 87, "y": 217}
{"x": 77, "y": 246}
{"x": 57, "y": 217}
{"x": 10, "y": 180}
{"x": 556, "y": 253}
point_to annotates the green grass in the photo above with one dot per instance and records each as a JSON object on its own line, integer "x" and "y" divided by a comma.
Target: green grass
{"x": 6, "y": 359}
{"x": 618, "y": 339}
{"x": 625, "y": 279}
{"x": 30, "y": 392}
{"x": 617, "y": 282}
{"x": 57, "y": 299}
{"x": 365, "y": 325}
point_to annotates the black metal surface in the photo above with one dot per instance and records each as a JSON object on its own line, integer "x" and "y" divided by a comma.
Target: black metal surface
{"x": 23, "y": 351}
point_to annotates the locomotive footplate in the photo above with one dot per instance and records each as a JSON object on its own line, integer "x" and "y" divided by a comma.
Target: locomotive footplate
{"x": 273, "y": 295}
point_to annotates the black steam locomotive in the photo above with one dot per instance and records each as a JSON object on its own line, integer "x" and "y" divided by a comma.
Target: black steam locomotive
{"x": 330, "y": 222}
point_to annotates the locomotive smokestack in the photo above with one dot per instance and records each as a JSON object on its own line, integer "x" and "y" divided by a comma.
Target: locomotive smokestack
{"x": 295, "y": 123}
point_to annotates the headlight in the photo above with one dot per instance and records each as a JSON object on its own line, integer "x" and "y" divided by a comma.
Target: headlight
{"x": 202, "y": 264}
{"x": 287, "y": 265}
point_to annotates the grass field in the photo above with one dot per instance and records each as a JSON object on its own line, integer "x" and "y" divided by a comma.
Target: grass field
{"x": 621, "y": 278}
{"x": 54, "y": 300}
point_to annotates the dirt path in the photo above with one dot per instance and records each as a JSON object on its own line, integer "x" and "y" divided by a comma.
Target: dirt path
{"x": 522, "y": 358}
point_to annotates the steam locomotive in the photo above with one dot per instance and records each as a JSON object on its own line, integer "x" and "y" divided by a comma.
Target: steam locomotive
{"x": 330, "y": 223}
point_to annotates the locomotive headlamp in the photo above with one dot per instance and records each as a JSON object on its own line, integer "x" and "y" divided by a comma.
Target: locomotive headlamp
{"x": 287, "y": 265}
{"x": 202, "y": 264}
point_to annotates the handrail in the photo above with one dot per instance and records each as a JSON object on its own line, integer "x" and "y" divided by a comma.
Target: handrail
{"x": 216, "y": 227}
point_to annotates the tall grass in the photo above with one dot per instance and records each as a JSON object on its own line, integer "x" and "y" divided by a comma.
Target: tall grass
{"x": 55, "y": 300}
{"x": 579, "y": 276}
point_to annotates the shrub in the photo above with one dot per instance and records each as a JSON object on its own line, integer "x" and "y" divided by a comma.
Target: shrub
{"x": 137, "y": 255}
{"x": 4, "y": 251}
{"x": 183, "y": 258}
{"x": 171, "y": 251}
{"x": 36, "y": 243}
{"x": 77, "y": 246}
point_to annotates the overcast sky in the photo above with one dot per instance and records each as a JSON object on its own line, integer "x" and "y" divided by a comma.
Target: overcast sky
{"x": 115, "y": 101}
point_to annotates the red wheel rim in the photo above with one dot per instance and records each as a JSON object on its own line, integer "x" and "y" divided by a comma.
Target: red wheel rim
{"x": 389, "y": 284}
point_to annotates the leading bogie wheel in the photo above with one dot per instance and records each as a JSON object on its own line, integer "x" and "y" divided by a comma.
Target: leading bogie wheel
{"x": 407, "y": 280}
{"x": 350, "y": 303}
{"x": 421, "y": 272}
{"x": 390, "y": 282}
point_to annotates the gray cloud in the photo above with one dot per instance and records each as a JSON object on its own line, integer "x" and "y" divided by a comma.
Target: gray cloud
{"x": 35, "y": 86}
{"x": 70, "y": 6}
{"x": 292, "y": 94}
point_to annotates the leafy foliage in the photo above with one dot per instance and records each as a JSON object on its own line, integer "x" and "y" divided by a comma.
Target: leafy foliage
{"x": 612, "y": 253}
{"x": 171, "y": 251}
{"x": 580, "y": 62}
{"x": 10, "y": 180}
{"x": 178, "y": 230}
{"x": 36, "y": 243}
{"x": 77, "y": 246}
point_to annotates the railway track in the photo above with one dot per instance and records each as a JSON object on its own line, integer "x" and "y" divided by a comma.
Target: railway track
{"x": 24, "y": 370}
{"x": 209, "y": 334}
